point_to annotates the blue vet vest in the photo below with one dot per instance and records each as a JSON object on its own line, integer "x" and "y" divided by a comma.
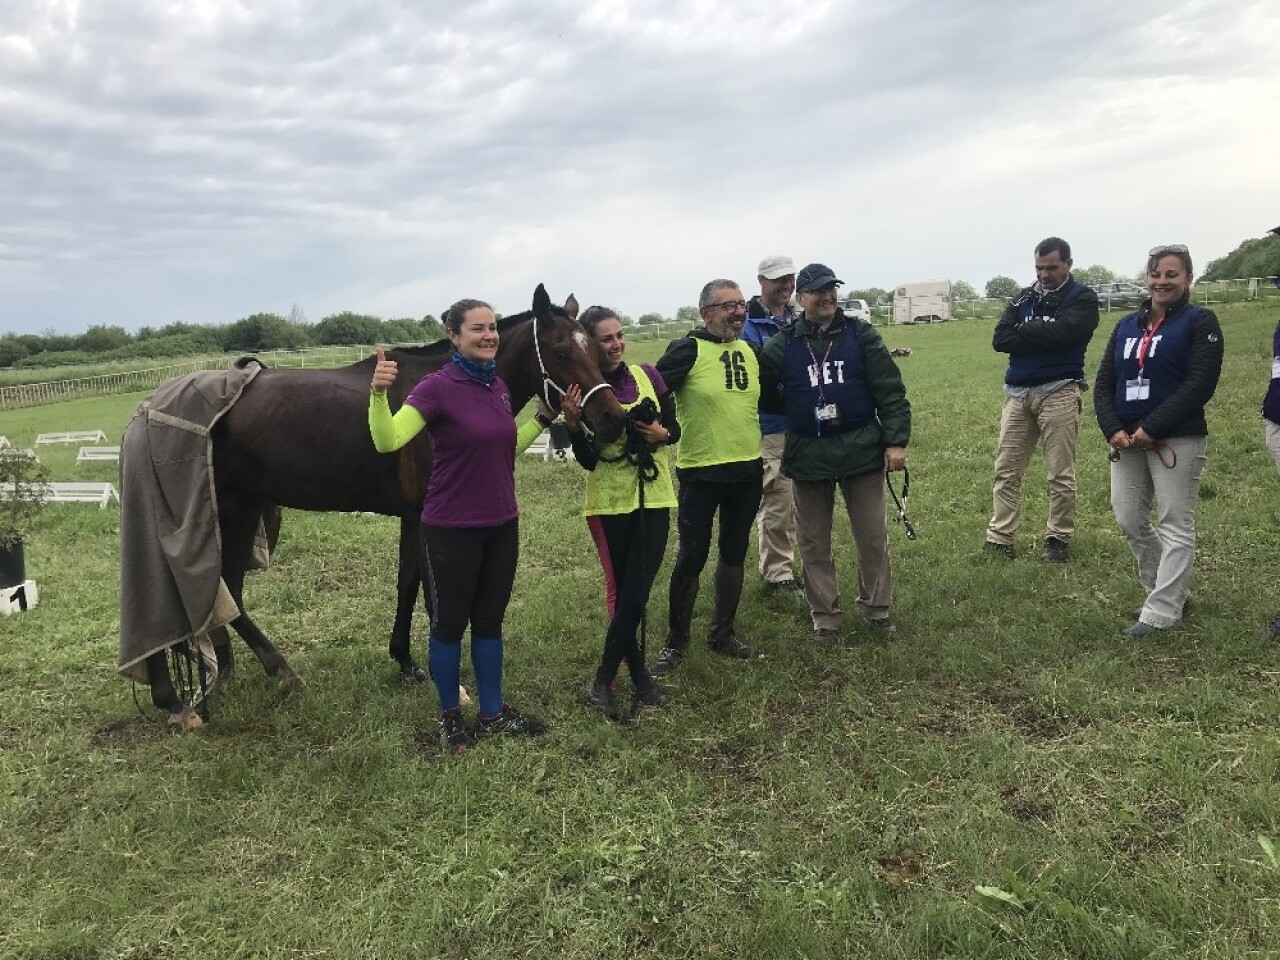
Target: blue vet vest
{"x": 1166, "y": 360}
{"x": 837, "y": 375}
{"x": 1036, "y": 368}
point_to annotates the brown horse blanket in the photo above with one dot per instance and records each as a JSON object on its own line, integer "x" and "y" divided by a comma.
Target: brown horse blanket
{"x": 171, "y": 585}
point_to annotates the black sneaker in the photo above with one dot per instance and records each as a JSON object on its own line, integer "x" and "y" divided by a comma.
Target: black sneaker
{"x": 1003, "y": 550}
{"x": 510, "y": 721}
{"x": 826, "y": 637}
{"x": 1055, "y": 551}
{"x": 1272, "y": 630}
{"x": 668, "y": 659}
{"x": 454, "y": 735}
{"x": 793, "y": 585}
{"x": 600, "y": 697}
{"x": 731, "y": 646}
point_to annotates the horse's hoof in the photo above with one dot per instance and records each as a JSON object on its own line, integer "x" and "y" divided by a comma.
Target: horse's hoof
{"x": 185, "y": 720}
{"x": 463, "y": 697}
{"x": 290, "y": 679}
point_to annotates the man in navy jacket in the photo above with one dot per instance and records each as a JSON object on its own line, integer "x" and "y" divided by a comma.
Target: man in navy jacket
{"x": 1045, "y": 330}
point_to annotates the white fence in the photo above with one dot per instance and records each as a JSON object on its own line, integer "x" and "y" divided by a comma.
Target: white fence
{"x": 130, "y": 381}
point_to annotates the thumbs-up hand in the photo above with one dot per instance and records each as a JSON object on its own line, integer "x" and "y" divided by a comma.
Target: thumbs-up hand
{"x": 384, "y": 372}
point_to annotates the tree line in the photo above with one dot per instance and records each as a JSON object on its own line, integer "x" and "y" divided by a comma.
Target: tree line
{"x": 252, "y": 334}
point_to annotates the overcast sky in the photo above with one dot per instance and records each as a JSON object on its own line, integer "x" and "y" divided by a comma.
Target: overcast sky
{"x": 201, "y": 160}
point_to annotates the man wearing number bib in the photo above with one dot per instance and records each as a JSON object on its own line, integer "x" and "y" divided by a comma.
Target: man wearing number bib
{"x": 848, "y": 421}
{"x": 715, "y": 379}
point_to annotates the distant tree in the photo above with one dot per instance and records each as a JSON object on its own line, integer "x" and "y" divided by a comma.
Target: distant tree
{"x": 963, "y": 290}
{"x": 1002, "y": 288}
{"x": 56, "y": 343}
{"x": 647, "y": 318}
{"x": 11, "y": 350}
{"x": 689, "y": 316}
{"x": 347, "y": 328}
{"x": 403, "y": 330}
{"x": 872, "y": 295}
{"x": 297, "y": 317}
{"x": 1259, "y": 257}
{"x": 100, "y": 339}
{"x": 432, "y": 329}
{"x": 265, "y": 331}
{"x": 1095, "y": 274}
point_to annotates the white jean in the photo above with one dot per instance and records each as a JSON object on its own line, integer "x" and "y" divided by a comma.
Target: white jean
{"x": 1165, "y": 551}
{"x": 1273, "y": 440}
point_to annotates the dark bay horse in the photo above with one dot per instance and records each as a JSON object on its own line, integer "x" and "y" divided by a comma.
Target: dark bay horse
{"x": 300, "y": 439}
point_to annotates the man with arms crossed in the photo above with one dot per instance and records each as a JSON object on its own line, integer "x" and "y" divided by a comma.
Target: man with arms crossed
{"x": 1045, "y": 331}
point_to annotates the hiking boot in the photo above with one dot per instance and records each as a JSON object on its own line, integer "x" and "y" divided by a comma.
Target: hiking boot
{"x": 1272, "y": 630}
{"x": 509, "y": 721}
{"x": 668, "y": 659}
{"x": 1055, "y": 551}
{"x": 826, "y": 637}
{"x": 1002, "y": 550}
{"x": 731, "y": 646}
{"x": 600, "y": 697}
{"x": 882, "y": 628}
{"x": 454, "y": 735}
{"x": 651, "y": 695}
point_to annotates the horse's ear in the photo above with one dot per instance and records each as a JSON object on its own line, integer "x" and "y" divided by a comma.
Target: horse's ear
{"x": 541, "y": 301}
{"x": 571, "y": 306}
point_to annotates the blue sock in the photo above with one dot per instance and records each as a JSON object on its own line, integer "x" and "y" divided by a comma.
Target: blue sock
{"x": 486, "y": 660}
{"x": 446, "y": 665}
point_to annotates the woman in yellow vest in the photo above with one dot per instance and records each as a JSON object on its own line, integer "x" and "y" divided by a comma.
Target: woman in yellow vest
{"x": 628, "y": 504}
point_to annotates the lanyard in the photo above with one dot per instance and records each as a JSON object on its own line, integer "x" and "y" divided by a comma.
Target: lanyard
{"x": 822, "y": 395}
{"x": 1145, "y": 343}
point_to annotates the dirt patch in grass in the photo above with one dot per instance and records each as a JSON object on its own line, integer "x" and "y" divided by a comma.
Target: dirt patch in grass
{"x": 1026, "y": 802}
{"x": 901, "y": 868}
{"x": 126, "y": 732}
{"x": 967, "y": 712}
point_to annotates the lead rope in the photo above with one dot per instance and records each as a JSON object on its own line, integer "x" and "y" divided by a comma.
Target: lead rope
{"x": 902, "y": 504}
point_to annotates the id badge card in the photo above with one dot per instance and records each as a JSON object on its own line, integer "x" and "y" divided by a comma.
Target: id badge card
{"x": 1137, "y": 389}
{"x": 1275, "y": 368}
{"x": 826, "y": 413}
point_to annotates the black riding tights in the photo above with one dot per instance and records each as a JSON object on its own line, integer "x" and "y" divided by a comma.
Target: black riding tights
{"x": 634, "y": 544}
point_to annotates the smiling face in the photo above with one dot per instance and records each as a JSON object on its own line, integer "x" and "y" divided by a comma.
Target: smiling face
{"x": 819, "y": 305}
{"x": 776, "y": 293}
{"x": 477, "y": 335}
{"x": 612, "y": 342}
{"x": 1167, "y": 282}
{"x": 725, "y": 315}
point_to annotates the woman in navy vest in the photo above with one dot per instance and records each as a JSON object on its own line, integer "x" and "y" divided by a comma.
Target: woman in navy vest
{"x": 1159, "y": 370}
{"x": 1271, "y": 423}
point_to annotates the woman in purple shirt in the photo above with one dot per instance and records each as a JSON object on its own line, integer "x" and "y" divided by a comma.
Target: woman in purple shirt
{"x": 470, "y": 533}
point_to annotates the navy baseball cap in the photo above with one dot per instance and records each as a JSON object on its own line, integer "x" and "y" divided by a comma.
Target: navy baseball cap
{"x": 815, "y": 276}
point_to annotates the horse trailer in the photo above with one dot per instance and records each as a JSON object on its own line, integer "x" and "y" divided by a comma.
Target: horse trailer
{"x": 928, "y": 301}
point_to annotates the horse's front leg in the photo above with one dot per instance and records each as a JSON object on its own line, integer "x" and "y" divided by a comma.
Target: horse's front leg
{"x": 408, "y": 582}
{"x": 165, "y": 697}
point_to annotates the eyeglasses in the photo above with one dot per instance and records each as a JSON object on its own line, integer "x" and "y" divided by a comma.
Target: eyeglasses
{"x": 1168, "y": 248}
{"x": 732, "y": 305}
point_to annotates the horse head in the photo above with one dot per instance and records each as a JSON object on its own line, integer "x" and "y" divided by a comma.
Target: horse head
{"x": 563, "y": 353}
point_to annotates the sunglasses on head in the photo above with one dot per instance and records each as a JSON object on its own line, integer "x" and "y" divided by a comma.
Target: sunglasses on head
{"x": 1168, "y": 248}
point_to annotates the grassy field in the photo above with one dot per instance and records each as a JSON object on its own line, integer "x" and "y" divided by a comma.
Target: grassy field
{"x": 1010, "y": 779}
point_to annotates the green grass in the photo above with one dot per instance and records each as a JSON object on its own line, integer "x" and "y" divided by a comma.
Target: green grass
{"x": 1008, "y": 780}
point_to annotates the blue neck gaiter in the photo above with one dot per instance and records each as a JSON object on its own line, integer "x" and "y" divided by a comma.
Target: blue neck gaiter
{"x": 480, "y": 372}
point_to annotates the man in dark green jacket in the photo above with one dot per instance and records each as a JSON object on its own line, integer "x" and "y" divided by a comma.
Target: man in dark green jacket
{"x": 848, "y": 421}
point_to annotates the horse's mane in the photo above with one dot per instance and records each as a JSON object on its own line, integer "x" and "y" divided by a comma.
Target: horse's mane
{"x": 445, "y": 345}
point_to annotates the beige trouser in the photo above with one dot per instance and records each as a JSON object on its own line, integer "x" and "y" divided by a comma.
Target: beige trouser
{"x": 1273, "y": 440}
{"x": 776, "y": 517}
{"x": 1023, "y": 423}
{"x": 864, "y": 502}
{"x": 1166, "y": 550}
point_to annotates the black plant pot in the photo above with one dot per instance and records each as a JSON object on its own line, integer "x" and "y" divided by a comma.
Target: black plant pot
{"x": 13, "y": 566}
